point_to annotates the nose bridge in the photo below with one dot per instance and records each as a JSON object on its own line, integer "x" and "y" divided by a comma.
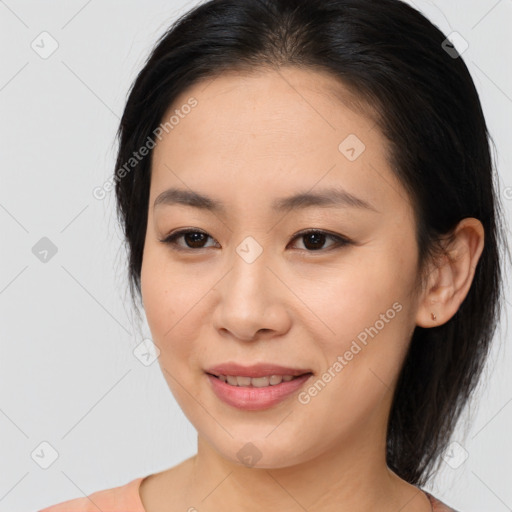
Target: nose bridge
{"x": 249, "y": 277}
{"x": 250, "y": 299}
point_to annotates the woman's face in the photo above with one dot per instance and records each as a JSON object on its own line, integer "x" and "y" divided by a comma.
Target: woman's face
{"x": 249, "y": 288}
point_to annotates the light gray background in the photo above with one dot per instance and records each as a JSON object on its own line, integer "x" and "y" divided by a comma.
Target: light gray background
{"x": 68, "y": 373}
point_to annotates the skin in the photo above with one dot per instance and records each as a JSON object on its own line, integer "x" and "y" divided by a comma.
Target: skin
{"x": 253, "y": 138}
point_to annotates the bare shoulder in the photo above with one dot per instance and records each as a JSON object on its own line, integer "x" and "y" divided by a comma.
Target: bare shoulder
{"x": 111, "y": 499}
{"x": 437, "y": 504}
{"x": 158, "y": 490}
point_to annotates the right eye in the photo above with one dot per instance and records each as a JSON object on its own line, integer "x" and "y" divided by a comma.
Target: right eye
{"x": 194, "y": 239}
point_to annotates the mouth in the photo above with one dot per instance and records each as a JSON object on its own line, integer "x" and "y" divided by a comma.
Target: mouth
{"x": 255, "y": 375}
{"x": 241, "y": 388}
{"x": 257, "y": 382}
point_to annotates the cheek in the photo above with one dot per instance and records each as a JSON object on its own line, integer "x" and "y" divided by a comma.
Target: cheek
{"x": 155, "y": 294}
{"x": 355, "y": 296}
{"x": 163, "y": 293}
{"x": 173, "y": 302}
{"x": 366, "y": 304}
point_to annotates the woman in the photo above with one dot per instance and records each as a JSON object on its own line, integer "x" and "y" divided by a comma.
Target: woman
{"x": 307, "y": 195}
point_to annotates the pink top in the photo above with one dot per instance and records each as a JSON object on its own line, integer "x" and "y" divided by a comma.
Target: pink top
{"x": 126, "y": 498}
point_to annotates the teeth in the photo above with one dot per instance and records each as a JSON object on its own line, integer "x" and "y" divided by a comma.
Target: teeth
{"x": 257, "y": 382}
{"x": 232, "y": 380}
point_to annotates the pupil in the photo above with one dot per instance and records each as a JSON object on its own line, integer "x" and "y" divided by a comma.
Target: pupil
{"x": 195, "y": 239}
{"x": 315, "y": 238}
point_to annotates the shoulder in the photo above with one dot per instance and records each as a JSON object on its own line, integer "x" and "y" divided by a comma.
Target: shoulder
{"x": 124, "y": 498}
{"x": 438, "y": 505}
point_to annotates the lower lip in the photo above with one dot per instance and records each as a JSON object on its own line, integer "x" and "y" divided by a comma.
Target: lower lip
{"x": 252, "y": 398}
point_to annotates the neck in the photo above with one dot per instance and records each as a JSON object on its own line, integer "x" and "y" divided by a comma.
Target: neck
{"x": 352, "y": 476}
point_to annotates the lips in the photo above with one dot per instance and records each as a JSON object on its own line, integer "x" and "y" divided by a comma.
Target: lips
{"x": 255, "y": 370}
{"x": 255, "y": 387}
{"x": 250, "y": 398}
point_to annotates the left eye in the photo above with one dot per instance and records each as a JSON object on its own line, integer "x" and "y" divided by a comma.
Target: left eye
{"x": 314, "y": 239}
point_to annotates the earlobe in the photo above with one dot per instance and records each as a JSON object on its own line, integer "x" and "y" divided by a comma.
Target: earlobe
{"x": 450, "y": 281}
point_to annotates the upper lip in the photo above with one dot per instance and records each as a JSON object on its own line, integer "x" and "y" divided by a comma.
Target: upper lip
{"x": 255, "y": 370}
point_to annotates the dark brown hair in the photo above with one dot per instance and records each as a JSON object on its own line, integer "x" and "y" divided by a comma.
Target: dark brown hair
{"x": 429, "y": 111}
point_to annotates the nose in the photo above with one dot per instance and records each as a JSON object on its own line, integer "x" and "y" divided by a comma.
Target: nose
{"x": 251, "y": 302}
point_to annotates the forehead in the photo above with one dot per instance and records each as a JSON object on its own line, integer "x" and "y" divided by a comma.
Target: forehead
{"x": 273, "y": 130}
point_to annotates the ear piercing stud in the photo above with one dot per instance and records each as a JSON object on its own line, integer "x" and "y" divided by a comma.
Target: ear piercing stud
{"x": 433, "y": 315}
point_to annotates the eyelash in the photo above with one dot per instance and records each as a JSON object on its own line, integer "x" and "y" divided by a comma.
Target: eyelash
{"x": 340, "y": 240}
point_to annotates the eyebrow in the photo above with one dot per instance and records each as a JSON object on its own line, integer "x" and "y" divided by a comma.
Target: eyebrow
{"x": 331, "y": 197}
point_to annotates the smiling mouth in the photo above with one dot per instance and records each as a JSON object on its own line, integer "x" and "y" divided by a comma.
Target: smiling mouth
{"x": 257, "y": 382}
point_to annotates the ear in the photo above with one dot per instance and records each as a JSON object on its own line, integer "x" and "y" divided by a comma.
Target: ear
{"x": 451, "y": 278}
